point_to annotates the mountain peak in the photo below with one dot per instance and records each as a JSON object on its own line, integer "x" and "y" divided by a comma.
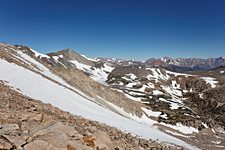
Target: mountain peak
{"x": 67, "y": 50}
{"x": 72, "y": 55}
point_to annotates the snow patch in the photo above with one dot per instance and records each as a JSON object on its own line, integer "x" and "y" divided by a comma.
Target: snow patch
{"x": 61, "y": 56}
{"x": 176, "y": 134}
{"x": 174, "y": 105}
{"x": 216, "y": 142}
{"x": 150, "y": 112}
{"x": 157, "y": 92}
{"x": 210, "y": 80}
{"x": 98, "y": 74}
{"x": 200, "y": 95}
{"x": 55, "y": 57}
{"x": 91, "y": 59}
{"x": 138, "y": 99}
{"x": 130, "y": 85}
{"x": 183, "y": 129}
{"x": 37, "y": 54}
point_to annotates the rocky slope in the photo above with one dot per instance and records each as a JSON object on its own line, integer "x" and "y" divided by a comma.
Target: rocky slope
{"x": 29, "y": 124}
{"x": 194, "y": 100}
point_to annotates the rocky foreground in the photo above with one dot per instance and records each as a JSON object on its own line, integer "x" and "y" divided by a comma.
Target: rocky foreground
{"x": 26, "y": 123}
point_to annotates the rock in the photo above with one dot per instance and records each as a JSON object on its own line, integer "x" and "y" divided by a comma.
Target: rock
{"x": 38, "y": 118}
{"x": 17, "y": 141}
{"x": 39, "y": 144}
{"x": 70, "y": 147}
{"x": 93, "y": 129}
{"x": 8, "y": 128}
{"x": 5, "y": 143}
{"x": 89, "y": 141}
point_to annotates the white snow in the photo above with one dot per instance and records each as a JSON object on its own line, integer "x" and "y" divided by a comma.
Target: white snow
{"x": 205, "y": 125}
{"x": 44, "y": 70}
{"x": 162, "y": 99}
{"x": 91, "y": 59}
{"x": 221, "y": 71}
{"x": 174, "y": 105}
{"x": 61, "y": 56}
{"x": 174, "y": 92}
{"x": 142, "y": 89}
{"x": 185, "y": 91}
{"x": 80, "y": 66}
{"x": 156, "y": 75}
{"x": 150, "y": 112}
{"x": 132, "y": 76}
{"x": 101, "y": 75}
{"x": 57, "y": 61}
{"x": 151, "y": 85}
{"x": 126, "y": 78}
{"x": 177, "y": 134}
{"x": 157, "y": 92}
{"x": 200, "y": 95}
{"x": 55, "y": 57}
{"x": 138, "y": 99}
{"x": 37, "y": 87}
{"x": 175, "y": 85}
{"x": 219, "y": 146}
{"x": 164, "y": 116}
{"x": 131, "y": 84}
{"x": 136, "y": 93}
{"x": 178, "y": 74}
{"x": 183, "y": 129}
{"x": 98, "y": 74}
{"x": 210, "y": 80}
{"x": 37, "y": 54}
{"x": 216, "y": 142}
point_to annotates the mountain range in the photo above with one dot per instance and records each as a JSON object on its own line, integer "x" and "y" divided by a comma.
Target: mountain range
{"x": 177, "y": 64}
{"x": 65, "y": 100}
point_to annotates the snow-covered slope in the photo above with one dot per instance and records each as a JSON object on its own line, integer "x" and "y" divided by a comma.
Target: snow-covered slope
{"x": 98, "y": 74}
{"x": 35, "y": 85}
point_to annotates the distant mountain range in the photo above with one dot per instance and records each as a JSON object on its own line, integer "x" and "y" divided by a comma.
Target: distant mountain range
{"x": 177, "y": 64}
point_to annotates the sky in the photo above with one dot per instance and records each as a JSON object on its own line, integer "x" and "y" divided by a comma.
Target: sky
{"x": 128, "y": 29}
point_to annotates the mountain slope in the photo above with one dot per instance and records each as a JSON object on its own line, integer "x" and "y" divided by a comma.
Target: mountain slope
{"x": 30, "y": 124}
{"x": 145, "y": 101}
{"x": 36, "y": 81}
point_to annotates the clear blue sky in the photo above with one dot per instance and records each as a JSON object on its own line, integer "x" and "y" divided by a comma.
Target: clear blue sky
{"x": 131, "y": 29}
